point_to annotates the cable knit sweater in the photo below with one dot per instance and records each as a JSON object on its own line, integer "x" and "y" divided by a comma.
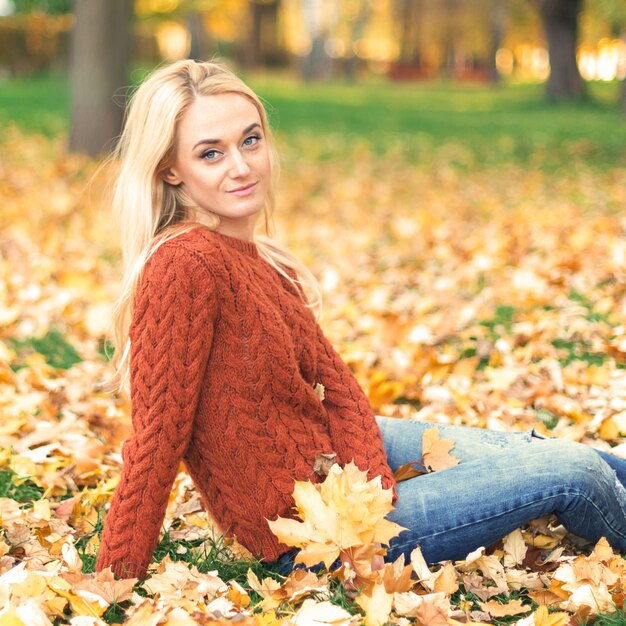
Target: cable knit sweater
{"x": 224, "y": 362}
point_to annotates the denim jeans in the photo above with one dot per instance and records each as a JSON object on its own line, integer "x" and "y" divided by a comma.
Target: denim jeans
{"x": 503, "y": 481}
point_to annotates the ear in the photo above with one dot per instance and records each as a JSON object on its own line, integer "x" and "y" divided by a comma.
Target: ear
{"x": 170, "y": 176}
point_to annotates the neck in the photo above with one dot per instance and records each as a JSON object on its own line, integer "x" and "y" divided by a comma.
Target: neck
{"x": 240, "y": 228}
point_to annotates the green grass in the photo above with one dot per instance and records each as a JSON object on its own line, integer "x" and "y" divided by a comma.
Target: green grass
{"x": 213, "y": 554}
{"x": 38, "y": 104}
{"x": 487, "y": 124}
{"x": 18, "y": 488}
{"x": 58, "y": 352}
{"x": 511, "y": 122}
{"x": 617, "y": 618}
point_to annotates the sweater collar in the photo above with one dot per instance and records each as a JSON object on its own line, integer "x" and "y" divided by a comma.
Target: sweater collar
{"x": 242, "y": 245}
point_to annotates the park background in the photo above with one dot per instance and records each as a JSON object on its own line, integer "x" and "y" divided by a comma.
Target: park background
{"x": 453, "y": 172}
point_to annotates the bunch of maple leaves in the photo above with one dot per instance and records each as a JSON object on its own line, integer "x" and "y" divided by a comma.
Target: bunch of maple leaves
{"x": 492, "y": 299}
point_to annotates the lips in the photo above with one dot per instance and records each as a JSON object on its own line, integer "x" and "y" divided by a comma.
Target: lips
{"x": 242, "y": 189}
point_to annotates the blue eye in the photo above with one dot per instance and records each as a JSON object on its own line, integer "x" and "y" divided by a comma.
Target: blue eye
{"x": 209, "y": 154}
{"x": 251, "y": 140}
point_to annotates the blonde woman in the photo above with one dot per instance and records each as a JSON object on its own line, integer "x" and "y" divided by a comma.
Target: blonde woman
{"x": 230, "y": 373}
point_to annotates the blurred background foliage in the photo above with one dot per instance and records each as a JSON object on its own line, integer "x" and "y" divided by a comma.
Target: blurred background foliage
{"x": 461, "y": 39}
{"x": 80, "y": 55}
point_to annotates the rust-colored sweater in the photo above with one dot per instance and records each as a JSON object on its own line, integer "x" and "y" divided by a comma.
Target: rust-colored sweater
{"x": 224, "y": 362}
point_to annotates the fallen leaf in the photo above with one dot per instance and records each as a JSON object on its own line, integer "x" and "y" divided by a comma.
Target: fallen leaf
{"x": 542, "y": 617}
{"x": 377, "y": 604}
{"x": 435, "y": 451}
{"x": 312, "y": 613}
{"x": 446, "y": 580}
{"x": 409, "y": 470}
{"x": 515, "y": 548}
{"x": 499, "y": 609}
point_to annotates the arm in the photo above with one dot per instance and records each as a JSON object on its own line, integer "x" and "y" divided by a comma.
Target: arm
{"x": 356, "y": 435}
{"x": 171, "y": 333}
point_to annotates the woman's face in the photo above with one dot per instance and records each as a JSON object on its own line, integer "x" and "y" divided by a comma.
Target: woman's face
{"x": 222, "y": 161}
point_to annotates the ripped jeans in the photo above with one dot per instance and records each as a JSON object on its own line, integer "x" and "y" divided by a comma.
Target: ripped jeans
{"x": 503, "y": 481}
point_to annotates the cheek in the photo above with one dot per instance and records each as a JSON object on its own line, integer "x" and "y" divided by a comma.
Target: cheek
{"x": 265, "y": 164}
{"x": 205, "y": 179}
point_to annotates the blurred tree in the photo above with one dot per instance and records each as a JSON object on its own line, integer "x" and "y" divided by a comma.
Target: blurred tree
{"x": 560, "y": 19}
{"x": 358, "y": 22}
{"x": 450, "y": 37}
{"x": 497, "y": 23}
{"x": 194, "y": 15}
{"x": 409, "y": 16}
{"x": 320, "y": 19}
{"x": 99, "y": 55}
{"x": 262, "y": 45}
{"x": 200, "y": 41}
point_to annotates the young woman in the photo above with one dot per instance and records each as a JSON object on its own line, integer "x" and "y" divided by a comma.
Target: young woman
{"x": 230, "y": 373}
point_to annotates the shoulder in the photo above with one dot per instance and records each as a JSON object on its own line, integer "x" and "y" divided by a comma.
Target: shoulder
{"x": 180, "y": 263}
{"x": 185, "y": 251}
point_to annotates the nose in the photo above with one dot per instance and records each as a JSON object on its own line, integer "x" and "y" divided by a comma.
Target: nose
{"x": 239, "y": 165}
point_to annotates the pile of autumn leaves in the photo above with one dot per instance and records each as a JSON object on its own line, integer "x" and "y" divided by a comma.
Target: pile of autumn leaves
{"x": 455, "y": 297}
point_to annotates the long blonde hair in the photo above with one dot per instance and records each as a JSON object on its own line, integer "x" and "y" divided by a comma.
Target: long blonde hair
{"x": 150, "y": 211}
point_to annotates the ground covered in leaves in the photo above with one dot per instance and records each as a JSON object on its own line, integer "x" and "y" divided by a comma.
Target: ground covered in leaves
{"x": 459, "y": 294}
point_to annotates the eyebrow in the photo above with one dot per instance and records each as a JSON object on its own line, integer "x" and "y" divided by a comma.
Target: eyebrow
{"x": 203, "y": 142}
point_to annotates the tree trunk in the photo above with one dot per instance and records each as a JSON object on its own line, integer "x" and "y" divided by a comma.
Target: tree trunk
{"x": 357, "y": 30}
{"x": 200, "y": 42}
{"x": 99, "y": 54}
{"x": 408, "y": 16}
{"x": 263, "y": 43}
{"x": 560, "y": 19}
{"x": 498, "y": 19}
{"x": 450, "y": 51}
{"x": 405, "y": 34}
{"x": 317, "y": 64}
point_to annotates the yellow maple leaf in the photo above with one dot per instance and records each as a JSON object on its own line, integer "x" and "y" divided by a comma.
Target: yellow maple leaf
{"x": 268, "y": 619}
{"x": 345, "y": 511}
{"x": 543, "y": 618}
{"x": 377, "y": 605}
{"x": 82, "y": 602}
{"x": 397, "y": 576}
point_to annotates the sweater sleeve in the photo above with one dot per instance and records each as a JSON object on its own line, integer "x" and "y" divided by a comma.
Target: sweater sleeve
{"x": 354, "y": 430}
{"x": 171, "y": 333}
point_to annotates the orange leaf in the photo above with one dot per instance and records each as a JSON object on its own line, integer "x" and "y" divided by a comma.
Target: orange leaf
{"x": 409, "y": 470}
{"x": 429, "y": 614}
{"x": 435, "y": 451}
{"x": 446, "y": 580}
{"x": 497, "y": 609}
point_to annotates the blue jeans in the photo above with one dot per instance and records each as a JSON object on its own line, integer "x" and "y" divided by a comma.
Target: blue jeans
{"x": 503, "y": 481}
